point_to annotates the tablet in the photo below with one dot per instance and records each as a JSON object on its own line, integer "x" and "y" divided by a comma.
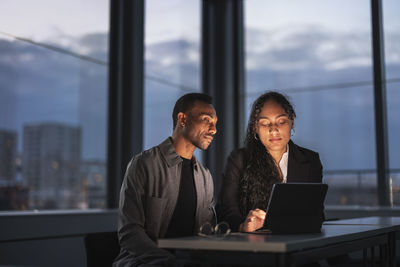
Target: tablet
{"x": 295, "y": 208}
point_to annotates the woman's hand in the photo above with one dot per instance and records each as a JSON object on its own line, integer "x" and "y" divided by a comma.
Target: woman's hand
{"x": 254, "y": 220}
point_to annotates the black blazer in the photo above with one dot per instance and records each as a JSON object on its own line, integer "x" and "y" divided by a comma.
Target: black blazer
{"x": 304, "y": 165}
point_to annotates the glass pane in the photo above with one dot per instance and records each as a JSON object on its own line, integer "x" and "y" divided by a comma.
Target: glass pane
{"x": 391, "y": 9}
{"x": 53, "y": 104}
{"x": 172, "y": 45}
{"x": 319, "y": 54}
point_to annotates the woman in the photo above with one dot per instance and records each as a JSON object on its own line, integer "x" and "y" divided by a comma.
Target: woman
{"x": 269, "y": 157}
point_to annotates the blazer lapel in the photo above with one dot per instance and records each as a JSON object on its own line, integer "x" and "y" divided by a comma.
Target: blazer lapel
{"x": 298, "y": 165}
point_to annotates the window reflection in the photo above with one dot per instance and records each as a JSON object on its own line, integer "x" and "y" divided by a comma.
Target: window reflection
{"x": 53, "y": 104}
{"x": 391, "y": 8}
{"x": 172, "y": 62}
{"x": 319, "y": 54}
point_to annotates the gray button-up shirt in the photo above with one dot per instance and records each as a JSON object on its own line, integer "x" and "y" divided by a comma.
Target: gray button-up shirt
{"x": 149, "y": 195}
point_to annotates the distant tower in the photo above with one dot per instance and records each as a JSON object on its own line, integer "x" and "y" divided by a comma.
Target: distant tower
{"x": 8, "y": 154}
{"x": 50, "y": 164}
{"x": 94, "y": 190}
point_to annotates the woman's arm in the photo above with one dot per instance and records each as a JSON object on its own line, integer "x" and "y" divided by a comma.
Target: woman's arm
{"x": 316, "y": 169}
{"x": 228, "y": 198}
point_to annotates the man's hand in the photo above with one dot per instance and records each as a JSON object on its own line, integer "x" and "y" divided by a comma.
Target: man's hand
{"x": 254, "y": 220}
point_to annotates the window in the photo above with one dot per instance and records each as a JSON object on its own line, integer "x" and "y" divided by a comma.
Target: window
{"x": 319, "y": 54}
{"x": 172, "y": 62}
{"x": 392, "y": 59}
{"x": 53, "y": 104}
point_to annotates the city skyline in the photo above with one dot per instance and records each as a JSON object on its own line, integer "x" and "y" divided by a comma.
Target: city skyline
{"x": 89, "y": 189}
{"x": 51, "y": 171}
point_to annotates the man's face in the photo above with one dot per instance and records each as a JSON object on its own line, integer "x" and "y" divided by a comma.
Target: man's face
{"x": 200, "y": 125}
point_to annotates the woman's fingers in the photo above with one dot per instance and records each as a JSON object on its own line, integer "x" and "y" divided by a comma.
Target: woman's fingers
{"x": 257, "y": 213}
{"x": 254, "y": 220}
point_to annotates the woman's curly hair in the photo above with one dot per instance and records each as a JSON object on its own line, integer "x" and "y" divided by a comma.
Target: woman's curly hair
{"x": 260, "y": 171}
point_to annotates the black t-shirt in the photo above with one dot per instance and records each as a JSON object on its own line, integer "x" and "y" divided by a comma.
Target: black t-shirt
{"x": 183, "y": 219}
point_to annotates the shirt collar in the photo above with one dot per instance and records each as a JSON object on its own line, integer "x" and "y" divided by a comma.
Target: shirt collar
{"x": 169, "y": 153}
{"x": 283, "y": 163}
{"x": 286, "y": 154}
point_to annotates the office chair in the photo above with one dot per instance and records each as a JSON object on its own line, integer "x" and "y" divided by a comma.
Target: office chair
{"x": 101, "y": 248}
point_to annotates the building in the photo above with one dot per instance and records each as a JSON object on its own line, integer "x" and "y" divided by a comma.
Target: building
{"x": 8, "y": 154}
{"x": 13, "y": 196}
{"x": 50, "y": 164}
{"x": 93, "y": 179}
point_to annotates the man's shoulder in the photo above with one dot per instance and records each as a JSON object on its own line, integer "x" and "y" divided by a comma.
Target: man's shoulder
{"x": 148, "y": 156}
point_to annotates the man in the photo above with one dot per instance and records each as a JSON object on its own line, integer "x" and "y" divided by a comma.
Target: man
{"x": 166, "y": 192}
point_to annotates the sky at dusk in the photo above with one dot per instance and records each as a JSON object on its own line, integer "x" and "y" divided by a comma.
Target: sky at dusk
{"x": 289, "y": 47}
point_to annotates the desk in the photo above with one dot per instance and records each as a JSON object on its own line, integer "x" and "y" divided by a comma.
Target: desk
{"x": 390, "y": 223}
{"x": 337, "y": 238}
{"x": 381, "y": 221}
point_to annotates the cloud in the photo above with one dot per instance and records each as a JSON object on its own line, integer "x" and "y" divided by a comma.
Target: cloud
{"x": 177, "y": 61}
{"x": 94, "y": 44}
{"x": 392, "y": 47}
{"x": 307, "y": 47}
{"x": 46, "y": 85}
{"x": 173, "y": 52}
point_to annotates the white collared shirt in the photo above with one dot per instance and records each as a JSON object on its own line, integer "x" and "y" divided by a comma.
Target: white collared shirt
{"x": 283, "y": 164}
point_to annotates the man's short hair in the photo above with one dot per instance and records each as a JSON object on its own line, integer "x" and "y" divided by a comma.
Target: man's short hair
{"x": 185, "y": 102}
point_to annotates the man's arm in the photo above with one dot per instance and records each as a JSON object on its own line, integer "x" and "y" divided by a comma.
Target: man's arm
{"x": 131, "y": 232}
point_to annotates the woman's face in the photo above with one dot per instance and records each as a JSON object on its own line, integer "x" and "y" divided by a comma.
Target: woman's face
{"x": 273, "y": 127}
